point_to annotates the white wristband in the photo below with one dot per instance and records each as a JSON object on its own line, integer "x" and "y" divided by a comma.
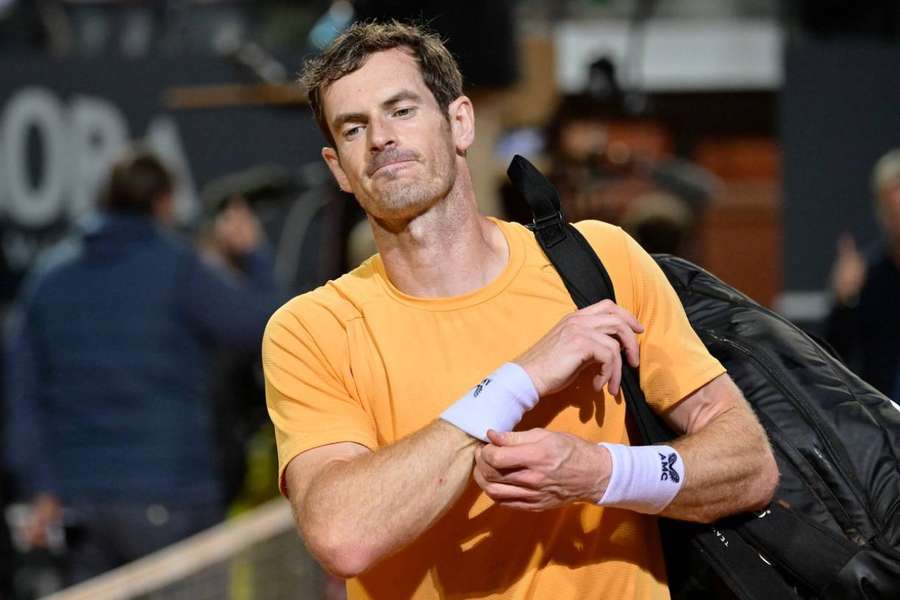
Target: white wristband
{"x": 644, "y": 479}
{"x": 497, "y": 403}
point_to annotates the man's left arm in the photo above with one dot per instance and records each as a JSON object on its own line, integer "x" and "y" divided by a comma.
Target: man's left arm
{"x": 728, "y": 465}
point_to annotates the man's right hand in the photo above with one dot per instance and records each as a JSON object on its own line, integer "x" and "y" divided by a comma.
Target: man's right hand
{"x": 596, "y": 334}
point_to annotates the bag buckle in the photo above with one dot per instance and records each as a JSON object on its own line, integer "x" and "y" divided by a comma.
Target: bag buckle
{"x": 550, "y": 229}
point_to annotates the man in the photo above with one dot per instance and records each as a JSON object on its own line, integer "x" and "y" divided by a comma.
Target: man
{"x": 109, "y": 359}
{"x": 369, "y": 379}
{"x": 863, "y": 325}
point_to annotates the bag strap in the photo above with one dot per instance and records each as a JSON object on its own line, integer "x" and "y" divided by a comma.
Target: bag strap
{"x": 588, "y": 282}
{"x": 584, "y": 276}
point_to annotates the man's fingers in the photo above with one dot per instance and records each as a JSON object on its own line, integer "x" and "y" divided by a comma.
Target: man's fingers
{"x": 515, "y": 438}
{"x": 610, "y": 325}
{"x": 478, "y": 476}
{"x": 526, "y": 506}
{"x": 501, "y": 492}
{"x": 498, "y": 438}
{"x": 612, "y": 370}
{"x": 507, "y": 457}
{"x": 615, "y": 377}
{"x": 484, "y": 469}
{"x": 611, "y": 308}
{"x": 607, "y": 354}
{"x": 523, "y": 478}
{"x": 488, "y": 473}
{"x": 628, "y": 341}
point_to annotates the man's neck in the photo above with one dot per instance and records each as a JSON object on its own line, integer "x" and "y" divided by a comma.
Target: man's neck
{"x": 449, "y": 250}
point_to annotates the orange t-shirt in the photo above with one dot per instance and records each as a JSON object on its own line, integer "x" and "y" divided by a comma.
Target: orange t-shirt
{"x": 356, "y": 360}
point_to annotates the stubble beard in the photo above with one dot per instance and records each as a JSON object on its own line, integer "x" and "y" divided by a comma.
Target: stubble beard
{"x": 405, "y": 198}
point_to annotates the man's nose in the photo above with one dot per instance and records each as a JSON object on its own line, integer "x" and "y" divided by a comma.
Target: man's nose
{"x": 381, "y": 135}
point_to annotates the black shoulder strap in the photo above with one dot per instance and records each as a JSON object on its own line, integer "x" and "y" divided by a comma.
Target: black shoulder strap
{"x": 579, "y": 268}
{"x": 584, "y": 276}
{"x": 732, "y": 558}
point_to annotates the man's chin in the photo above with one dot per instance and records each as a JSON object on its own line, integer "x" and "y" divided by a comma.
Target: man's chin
{"x": 401, "y": 209}
{"x": 403, "y": 200}
{"x": 404, "y": 211}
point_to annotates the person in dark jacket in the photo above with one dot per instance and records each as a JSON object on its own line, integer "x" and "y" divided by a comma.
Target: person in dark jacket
{"x": 109, "y": 360}
{"x": 863, "y": 325}
{"x": 6, "y": 550}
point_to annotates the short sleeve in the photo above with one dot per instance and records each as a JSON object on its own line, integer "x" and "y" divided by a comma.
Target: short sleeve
{"x": 674, "y": 362}
{"x": 307, "y": 379}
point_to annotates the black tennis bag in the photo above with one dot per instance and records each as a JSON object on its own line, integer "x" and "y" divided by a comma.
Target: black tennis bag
{"x": 833, "y": 527}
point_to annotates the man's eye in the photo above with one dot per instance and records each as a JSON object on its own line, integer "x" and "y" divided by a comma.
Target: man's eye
{"x": 403, "y": 112}
{"x": 352, "y": 132}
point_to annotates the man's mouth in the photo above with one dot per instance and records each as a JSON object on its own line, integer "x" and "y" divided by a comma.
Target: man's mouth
{"x": 390, "y": 158}
{"x": 396, "y": 163}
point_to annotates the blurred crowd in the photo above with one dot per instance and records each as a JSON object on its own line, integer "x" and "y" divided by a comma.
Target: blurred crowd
{"x": 119, "y": 340}
{"x": 132, "y": 390}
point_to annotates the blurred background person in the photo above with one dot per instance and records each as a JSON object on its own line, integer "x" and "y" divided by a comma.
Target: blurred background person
{"x": 109, "y": 363}
{"x": 6, "y": 552}
{"x": 863, "y": 325}
{"x": 610, "y": 158}
{"x": 234, "y": 394}
{"x": 661, "y": 223}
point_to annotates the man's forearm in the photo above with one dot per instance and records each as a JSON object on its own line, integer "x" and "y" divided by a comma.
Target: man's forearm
{"x": 729, "y": 468}
{"x": 357, "y": 511}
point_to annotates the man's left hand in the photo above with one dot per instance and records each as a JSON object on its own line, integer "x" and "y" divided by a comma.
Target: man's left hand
{"x": 539, "y": 469}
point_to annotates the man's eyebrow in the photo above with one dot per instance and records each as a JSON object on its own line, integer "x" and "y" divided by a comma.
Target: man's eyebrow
{"x": 339, "y": 120}
{"x": 400, "y": 97}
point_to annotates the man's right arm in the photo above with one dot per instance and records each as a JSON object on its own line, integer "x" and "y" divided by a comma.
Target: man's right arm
{"x": 354, "y": 506}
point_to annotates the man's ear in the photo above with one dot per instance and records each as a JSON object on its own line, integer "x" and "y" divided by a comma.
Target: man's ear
{"x": 334, "y": 165}
{"x": 462, "y": 123}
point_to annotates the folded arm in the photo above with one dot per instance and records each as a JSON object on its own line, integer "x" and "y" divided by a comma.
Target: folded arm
{"x": 728, "y": 464}
{"x": 354, "y": 506}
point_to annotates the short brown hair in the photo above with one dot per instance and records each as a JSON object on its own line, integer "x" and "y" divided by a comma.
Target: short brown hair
{"x": 349, "y": 51}
{"x": 137, "y": 180}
